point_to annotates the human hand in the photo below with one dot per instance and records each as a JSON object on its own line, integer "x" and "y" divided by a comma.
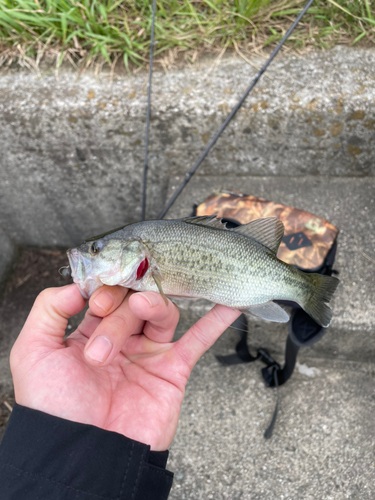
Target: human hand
{"x": 119, "y": 370}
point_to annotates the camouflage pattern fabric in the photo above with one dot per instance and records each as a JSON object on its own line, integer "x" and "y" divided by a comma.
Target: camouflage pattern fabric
{"x": 307, "y": 238}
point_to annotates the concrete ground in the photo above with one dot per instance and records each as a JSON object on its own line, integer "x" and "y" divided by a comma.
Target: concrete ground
{"x": 322, "y": 446}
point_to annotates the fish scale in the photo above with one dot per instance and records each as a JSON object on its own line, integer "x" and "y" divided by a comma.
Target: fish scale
{"x": 231, "y": 268}
{"x": 210, "y": 267}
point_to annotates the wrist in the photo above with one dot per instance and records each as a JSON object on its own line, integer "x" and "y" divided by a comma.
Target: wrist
{"x": 49, "y": 452}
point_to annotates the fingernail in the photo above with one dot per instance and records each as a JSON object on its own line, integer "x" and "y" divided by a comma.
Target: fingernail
{"x": 104, "y": 300}
{"x": 100, "y": 349}
{"x": 152, "y": 298}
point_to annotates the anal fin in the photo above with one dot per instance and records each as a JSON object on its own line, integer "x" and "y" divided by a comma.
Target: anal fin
{"x": 269, "y": 311}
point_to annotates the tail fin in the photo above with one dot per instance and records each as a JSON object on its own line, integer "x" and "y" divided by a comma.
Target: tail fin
{"x": 323, "y": 288}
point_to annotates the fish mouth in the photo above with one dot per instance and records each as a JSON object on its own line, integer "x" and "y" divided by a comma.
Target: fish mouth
{"x": 80, "y": 272}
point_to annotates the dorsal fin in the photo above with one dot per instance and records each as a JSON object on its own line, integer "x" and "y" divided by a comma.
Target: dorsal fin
{"x": 269, "y": 232}
{"x": 206, "y": 220}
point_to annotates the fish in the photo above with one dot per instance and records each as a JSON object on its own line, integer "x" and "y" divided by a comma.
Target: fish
{"x": 200, "y": 258}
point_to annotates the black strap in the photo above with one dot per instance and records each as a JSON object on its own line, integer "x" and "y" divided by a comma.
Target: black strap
{"x": 243, "y": 355}
{"x": 242, "y": 351}
{"x": 303, "y": 331}
{"x": 268, "y": 432}
{"x": 282, "y": 374}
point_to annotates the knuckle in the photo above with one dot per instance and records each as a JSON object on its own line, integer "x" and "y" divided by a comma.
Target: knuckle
{"x": 116, "y": 321}
{"x": 175, "y": 312}
{"x": 13, "y": 358}
{"x": 165, "y": 322}
{"x": 45, "y": 295}
{"x": 200, "y": 334}
{"x": 218, "y": 317}
{"x": 186, "y": 360}
{"x": 182, "y": 372}
{"x": 168, "y": 316}
{"x": 222, "y": 316}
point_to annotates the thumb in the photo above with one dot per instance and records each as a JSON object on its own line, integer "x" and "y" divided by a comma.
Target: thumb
{"x": 48, "y": 318}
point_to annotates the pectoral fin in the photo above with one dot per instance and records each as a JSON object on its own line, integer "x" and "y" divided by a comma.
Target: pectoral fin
{"x": 270, "y": 312}
{"x": 157, "y": 279}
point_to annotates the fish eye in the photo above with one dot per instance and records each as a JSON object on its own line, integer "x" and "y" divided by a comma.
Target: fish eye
{"x": 94, "y": 247}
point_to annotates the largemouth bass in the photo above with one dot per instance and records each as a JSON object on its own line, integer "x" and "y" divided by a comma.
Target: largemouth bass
{"x": 199, "y": 257}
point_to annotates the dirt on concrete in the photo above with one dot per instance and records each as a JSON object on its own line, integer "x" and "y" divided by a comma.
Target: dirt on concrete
{"x": 32, "y": 272}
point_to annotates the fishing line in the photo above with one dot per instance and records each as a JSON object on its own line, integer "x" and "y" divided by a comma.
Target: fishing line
{"x": 221, "y": 323}
{"x": 190, "y": 174}
{"x": 145, "y": 168}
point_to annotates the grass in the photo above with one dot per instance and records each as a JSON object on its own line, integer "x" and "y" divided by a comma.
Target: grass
{"x": 85, "y": 31}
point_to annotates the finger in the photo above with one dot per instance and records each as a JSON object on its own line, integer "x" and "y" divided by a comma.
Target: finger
{"x": 201, "y": 336}
{"x": 161, "y": 319}
{"x": 89, "y": 324}
{"x": 111, "y": 334}
{"x": 140, "y": 346}
{"x": 106, "y": 299}
{"x": 49, "y": 315}
{"x": 87, "y": 327}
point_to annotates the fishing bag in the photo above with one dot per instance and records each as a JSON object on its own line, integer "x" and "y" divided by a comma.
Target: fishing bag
{"x": 309, "y": 244}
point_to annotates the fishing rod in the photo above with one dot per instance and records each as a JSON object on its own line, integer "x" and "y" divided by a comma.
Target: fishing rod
{"x": 145, "y": 168}
{"x": 191, "y": 172}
